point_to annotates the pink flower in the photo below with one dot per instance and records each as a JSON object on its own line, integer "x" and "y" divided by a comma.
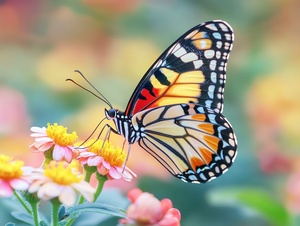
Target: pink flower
{"x": 13, "y": 176}
{"x": 149, "y": 211}
{"x": 108, "y": 160}
{"x": 293, "y": 192}
{"x": 56, "y": 137}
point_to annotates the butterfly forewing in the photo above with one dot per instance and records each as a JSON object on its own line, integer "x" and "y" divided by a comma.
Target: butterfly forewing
{"x": 193, "y": 143}
{"x": 191, "y": 70}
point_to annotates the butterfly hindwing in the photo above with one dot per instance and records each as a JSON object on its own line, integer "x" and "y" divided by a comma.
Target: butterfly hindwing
{"x": 191, "y": 70}
{"x": 192, "y": 142}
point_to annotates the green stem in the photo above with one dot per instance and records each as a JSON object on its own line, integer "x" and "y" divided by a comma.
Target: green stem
{"x": 22, "y": 201}
{"x": 101, "y": 180}
{"x": 87, "y": 178}
{"x": 33, "y": 200}
{"x": 35, "y": 213}
{"x": 54, "y": 211}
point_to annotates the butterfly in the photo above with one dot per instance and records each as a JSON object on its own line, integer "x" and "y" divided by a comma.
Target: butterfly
{"x": 175, "y": 112}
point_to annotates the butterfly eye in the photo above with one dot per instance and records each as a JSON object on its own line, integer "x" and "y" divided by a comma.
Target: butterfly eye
{"x": 111, "y": 113}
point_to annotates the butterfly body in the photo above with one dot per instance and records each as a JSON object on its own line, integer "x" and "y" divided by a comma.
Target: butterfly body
{"x": 175, "y": 113}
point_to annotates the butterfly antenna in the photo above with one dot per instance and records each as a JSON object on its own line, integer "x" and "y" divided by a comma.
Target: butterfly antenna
{"x": 100, "y": 94}
{"x": 94, "y": 94}
{"x": 96, "y": 128}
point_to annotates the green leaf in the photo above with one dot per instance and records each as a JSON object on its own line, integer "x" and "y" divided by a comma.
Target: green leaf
{"x": 22, "y": 216}
{"x": 43, "y": 223}
{"x": 98, "y": 208}
{"x": 10, "y": 224}
{"x": 260, "y": 201}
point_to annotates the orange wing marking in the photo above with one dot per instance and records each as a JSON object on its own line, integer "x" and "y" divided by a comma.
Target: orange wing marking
{"x": 206, "y": 155}
{"x": 206, "y": 127}
{"x": 212, "y": 142}
{"x": 196, "y": 162}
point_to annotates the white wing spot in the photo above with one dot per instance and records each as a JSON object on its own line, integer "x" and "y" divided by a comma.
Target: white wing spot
{"x": 189, "y": 57}
{"x": 213, "y": 77}
{"x": 231, "y": 153}
{"x": 193, "y": 178}
{"x": 211, "y": 90}
{"x": 209, "y": 54}
{"x": 231, "y": 142}
{"x": 208, "y": 103}
{"x": 228, "y": 37}
{"x": 227, "y": 159}
{"x": 212, "y": 65}
{"x": 226, "y": 45}
{"x": 223, "y": 27}
{"x": 217, "y": 169}
{"x": 217, "y": 35}
{"x": 180, "y": 52}
{"x": 223, "y": 166}
{"x": 198, "y": 63}
{"x": 175, "y": 48}
{"x": 200, "y": 109}
{"x": 219, "y": 44}
{"x": 212, "y": 27}
{"x": 202, "y": 176}
{"x": 211, "y": 174}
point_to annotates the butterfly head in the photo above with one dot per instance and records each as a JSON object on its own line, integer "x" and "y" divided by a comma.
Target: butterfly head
{"x": 111, "y": 113}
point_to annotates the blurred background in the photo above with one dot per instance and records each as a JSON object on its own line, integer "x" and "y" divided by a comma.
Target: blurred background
{"x": 113, "y": 43}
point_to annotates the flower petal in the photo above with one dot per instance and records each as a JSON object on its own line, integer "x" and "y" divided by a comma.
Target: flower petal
{"x": 58, "y": 152}
{"x": 36, "y": 129}
{"x": 86, "y": 190}
{"x": 19, "y": 184}
{"x": 67, "y": 196}
{"x": 172, "y": 218}
{"x": 128, "y": 174}
{"x": 49, "y": 190}
{"x": 95, "y": 160}
{"x": 166, "y": 204}
{"x": 5, "y": 189}
{"x": 147, "y": 209}
{"x": 134, "y": 194}
{"x": 114, "y": 173}
{"x": 68, "y": 154}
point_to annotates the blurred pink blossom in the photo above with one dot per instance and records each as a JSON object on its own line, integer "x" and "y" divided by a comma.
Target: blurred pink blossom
{"x": 148, "y": 210}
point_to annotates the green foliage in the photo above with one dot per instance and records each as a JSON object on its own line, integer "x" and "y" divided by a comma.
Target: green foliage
{"x": 254, "y": 199}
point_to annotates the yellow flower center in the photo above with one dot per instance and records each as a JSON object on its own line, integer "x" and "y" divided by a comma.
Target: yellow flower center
{"x": 59, "y": 135}
{"x": 115, "y": 156}
{"x": 63, "y": 173}
{"x": 10, "y": 169}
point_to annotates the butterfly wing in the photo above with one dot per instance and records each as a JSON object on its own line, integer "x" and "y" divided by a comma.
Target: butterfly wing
{"x": 191, "y": 70}
{"x": 192, "y": 142}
